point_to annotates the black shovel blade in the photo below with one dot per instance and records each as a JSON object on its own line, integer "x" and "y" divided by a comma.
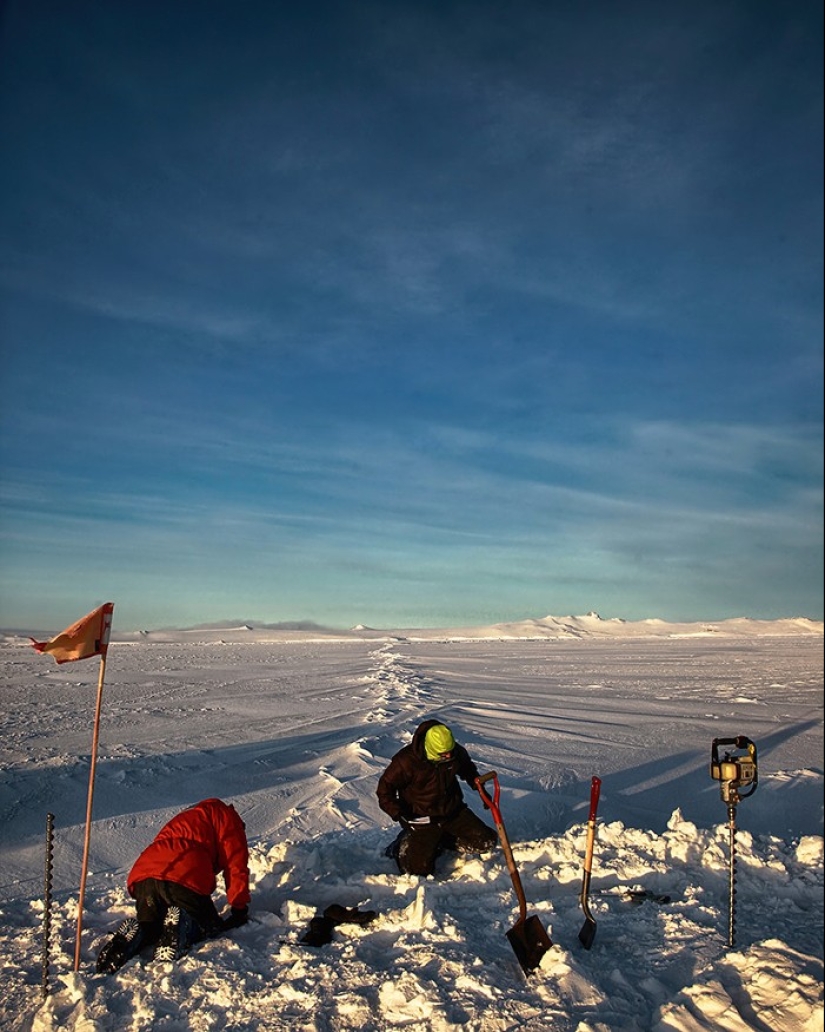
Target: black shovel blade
{"x": 530, "y": 942}
{"x": 588, "y": 933}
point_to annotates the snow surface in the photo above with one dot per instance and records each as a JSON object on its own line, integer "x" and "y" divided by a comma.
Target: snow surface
{"x": 295, "y": 726}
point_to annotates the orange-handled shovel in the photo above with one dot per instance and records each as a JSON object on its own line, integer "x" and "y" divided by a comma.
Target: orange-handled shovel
{"x": 528, "y": 937}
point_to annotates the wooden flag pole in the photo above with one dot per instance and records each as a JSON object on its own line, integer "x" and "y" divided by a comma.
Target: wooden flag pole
{"x": 90, "y": 798}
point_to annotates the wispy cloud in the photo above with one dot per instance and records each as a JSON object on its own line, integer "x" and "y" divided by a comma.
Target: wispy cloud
{"x": 447, "y": 303}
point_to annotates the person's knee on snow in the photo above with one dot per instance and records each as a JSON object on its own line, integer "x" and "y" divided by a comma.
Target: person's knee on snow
{"x": 471, "y": 834}
{"x": 418, "y": 850}
{"x": 480, "y": 844}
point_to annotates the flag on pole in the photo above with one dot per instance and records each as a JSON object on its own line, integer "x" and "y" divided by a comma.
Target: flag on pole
{"x": 84, "y": 639}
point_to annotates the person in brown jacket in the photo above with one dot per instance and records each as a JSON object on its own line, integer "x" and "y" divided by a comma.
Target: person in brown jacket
{"x": 420, "y": 790}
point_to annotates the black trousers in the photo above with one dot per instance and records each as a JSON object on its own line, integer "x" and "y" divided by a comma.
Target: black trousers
{"x": 154, "y": 897}
{"x": 422, "y": 843}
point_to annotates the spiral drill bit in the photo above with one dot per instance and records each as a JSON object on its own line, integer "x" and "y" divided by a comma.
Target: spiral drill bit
{"x": 47, "y": 901}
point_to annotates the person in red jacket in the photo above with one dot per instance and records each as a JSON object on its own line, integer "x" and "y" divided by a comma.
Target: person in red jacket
{"x": 420, "y": 790}
{"x": 172, "y": 882}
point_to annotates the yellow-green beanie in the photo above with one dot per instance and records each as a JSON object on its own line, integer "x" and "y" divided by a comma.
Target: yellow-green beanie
{"x": 439, "y": 739}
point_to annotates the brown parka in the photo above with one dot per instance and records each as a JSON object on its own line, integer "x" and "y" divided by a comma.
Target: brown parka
{"x": 413, "y": 786}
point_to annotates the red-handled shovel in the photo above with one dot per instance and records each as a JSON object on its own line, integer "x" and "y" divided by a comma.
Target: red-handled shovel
{"x": 588, "y": 932}
{"x": 527, "y": 936}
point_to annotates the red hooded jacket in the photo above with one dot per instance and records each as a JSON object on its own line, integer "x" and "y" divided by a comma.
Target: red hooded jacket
{"x": 194, "y": 847}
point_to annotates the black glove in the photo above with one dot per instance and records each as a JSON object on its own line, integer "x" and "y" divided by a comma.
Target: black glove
{"x": 237, "y": 917}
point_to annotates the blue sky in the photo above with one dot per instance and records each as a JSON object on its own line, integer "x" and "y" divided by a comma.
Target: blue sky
{"x": 411, "y": 313}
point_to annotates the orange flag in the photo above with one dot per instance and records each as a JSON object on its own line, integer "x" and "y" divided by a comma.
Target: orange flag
{"x": 84, "y": 639}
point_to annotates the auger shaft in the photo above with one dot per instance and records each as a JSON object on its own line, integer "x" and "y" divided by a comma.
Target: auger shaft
{"x": 47, "y": 902}
{"x": 732, "y": 894}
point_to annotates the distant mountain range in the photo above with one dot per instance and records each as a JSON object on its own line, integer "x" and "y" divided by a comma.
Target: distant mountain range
{"x": 551, "y": 628}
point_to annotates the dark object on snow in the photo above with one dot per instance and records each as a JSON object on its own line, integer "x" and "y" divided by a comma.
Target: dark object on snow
{"x": 639, "y": 896}
{"x": 634, "y": 896}
{"x": 319, "y": 932}
{"x": 320, "y": 928}
{"x": 352, "y": 915}
{"x": 588, "y": 931}
{"x": 528, "y": 937}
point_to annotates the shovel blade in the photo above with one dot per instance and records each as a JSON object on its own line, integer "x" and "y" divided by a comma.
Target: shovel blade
{"x": 588, "y": 933}
{"x": 530, "y": 942}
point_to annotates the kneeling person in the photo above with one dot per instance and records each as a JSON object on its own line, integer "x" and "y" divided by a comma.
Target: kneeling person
{"x": 172, "y": 882}
{"x": 420, "y": 790}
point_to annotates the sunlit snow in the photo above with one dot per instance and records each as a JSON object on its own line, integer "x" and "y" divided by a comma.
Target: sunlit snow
{"x": 295, "y": 727}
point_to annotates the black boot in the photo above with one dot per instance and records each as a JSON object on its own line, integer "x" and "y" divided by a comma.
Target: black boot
{"x": 122, "y": 946}
{"x": 168, "y": 947}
